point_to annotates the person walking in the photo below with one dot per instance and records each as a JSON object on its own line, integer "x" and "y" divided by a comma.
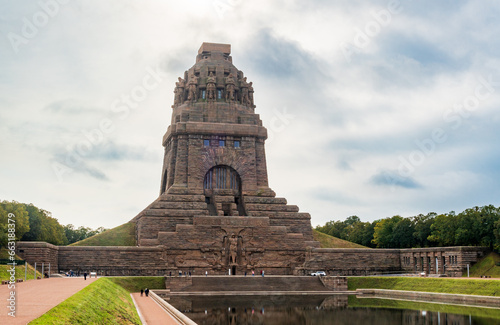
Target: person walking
{"x": 85, "y": 275}
{"x": 206, "y": 273}
{"x": 142, "y": 291}
{"x": 262, "y": 273}
{"x": 146, "y": 292}
{"x": 253, "y": 273}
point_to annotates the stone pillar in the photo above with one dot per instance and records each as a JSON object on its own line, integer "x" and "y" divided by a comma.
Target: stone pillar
{"x": 260, "y": 157}
{"x": 419, "y": 261}
{"x": 195, "y": 177}
{"x": 181, "y": 163}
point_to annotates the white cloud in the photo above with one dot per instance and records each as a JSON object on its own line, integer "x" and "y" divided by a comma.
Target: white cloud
{"x": 352, "y": 120}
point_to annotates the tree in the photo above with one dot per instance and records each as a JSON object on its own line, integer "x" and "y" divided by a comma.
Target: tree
{"x": 362, "y": 233}
{"x": 333, "y": 228}
{"x": 383, "y": 236}
{"x": 474, "y": 226}
{"x": 402, "y": 236}
{"x": 443, "y": 229}
{"x": 423, "y": 230}
{"x": 43, "y": 227}
{"x": 73, "y": 235}
{"x": 20, "y": 221}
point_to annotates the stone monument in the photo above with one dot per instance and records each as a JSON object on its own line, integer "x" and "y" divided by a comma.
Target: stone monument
{"x": 216, "y": 211}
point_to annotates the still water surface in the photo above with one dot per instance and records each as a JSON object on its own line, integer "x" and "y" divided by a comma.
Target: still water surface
{"x": 319, "y": 310}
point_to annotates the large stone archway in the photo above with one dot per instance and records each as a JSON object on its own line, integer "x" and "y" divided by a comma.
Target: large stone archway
{"x": 222, "y": 184}
{"x": 222, "y": 179}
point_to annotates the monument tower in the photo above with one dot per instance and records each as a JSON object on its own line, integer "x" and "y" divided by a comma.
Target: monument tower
{"x": 216, "y": 210}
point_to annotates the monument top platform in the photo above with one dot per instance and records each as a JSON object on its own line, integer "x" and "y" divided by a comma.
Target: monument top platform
{"x": 215, "y": 47}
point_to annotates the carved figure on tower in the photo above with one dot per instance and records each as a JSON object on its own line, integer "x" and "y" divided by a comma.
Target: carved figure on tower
{"x": 250, "y": 94}
{"x": 245, "y": 98}
{"x": 192, "y": 88}
{"x": 230, "y": 88}
{"x": 179, "y": 91}
{"x": 211, "y": 88}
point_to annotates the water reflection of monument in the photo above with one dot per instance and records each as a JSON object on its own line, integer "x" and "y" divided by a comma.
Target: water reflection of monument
{"x": 308, "y": 310}
{"x": 254, "y": 310}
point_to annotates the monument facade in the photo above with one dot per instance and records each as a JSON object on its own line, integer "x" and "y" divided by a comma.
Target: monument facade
{"x": 216, "y": 211}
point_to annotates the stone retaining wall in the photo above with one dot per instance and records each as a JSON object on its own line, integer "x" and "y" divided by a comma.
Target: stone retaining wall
{"x": 348, "y": 261}
{"x": 334, "y": 283}
{"x": 451, "y": 261}
{"x": 39, "y": 252}
{"x": 158, "y": 260}
{"x": 105, "y": 260}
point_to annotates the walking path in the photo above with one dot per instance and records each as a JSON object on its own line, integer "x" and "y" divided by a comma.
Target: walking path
{"x": 151, "y": 313}
{"x": 36, "y": 297}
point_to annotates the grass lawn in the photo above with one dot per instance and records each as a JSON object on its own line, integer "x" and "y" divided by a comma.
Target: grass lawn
{"x": 486, "y": 266}
{"x": 5, "y": 275}
{"x": 101, "y": 302}
{"x": 123, "y": 235}
{"x": 457, "y": 286}
{"x": 328, "y": 241}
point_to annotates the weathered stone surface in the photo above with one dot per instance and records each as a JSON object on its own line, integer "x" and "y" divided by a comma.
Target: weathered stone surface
{"x": 215, "y": 166}
{"x": 39, "y": 252}
{"x": 441, "y": 260}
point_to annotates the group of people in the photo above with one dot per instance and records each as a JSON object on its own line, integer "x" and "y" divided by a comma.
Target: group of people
{"x": 72, "y": 274}
{"x": 253, "y": 273}
{"x": 146, "y": 291}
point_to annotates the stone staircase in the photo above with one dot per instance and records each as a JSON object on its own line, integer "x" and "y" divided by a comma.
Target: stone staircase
{"x": 280, "y": 214}
{"x": 179, "y": 208}
{"x": 165, "y": 213}
{"x": 254, "y": 283}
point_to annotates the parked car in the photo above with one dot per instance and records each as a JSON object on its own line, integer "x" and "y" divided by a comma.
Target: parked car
{"x": 319, "y": 273}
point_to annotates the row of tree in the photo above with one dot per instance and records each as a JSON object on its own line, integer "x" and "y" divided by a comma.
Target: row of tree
{"x": 35, "y": 224}
{"x": 477, "y": 226}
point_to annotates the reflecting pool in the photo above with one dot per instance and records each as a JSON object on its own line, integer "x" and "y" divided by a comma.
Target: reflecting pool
{"x": 318, "y": 310}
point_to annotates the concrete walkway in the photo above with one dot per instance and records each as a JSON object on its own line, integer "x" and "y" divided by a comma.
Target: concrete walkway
{"x": 35, "y": 297}
{"x": 151, "y": 313}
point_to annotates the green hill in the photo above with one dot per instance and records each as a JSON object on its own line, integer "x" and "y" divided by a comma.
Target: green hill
{"x": 123, "y": 235}
{"x": 486, "y": 266}
{"x": 328, "y": 241}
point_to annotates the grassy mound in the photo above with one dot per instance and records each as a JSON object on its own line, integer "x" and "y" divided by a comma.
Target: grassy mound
{"x": 486, "y": 266}
{"x": 456, "y": 286}
{"x": 123, "y": 235}
{"x": 135, "y": 284}
{"x": 102, "y": 302}
{"x": 328, "y": 241}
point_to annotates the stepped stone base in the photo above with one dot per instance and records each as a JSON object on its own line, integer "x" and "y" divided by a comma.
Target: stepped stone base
{"x": 223, "y": 234}
{"x": 255, "y": 283}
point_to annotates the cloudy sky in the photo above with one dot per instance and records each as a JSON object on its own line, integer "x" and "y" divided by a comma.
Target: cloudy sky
{"x": 373, "y": 108}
